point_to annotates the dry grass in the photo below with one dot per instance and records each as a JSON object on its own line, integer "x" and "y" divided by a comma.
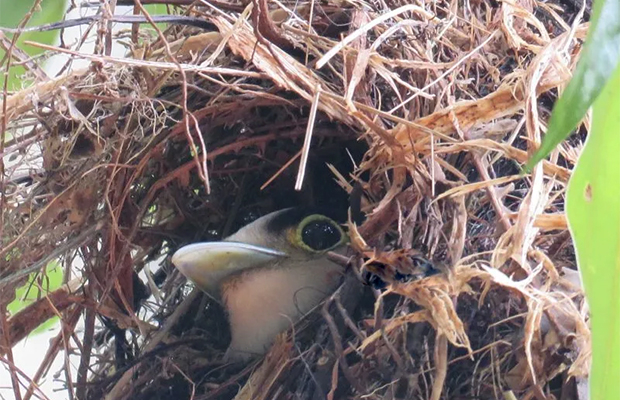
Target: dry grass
{"x": 424, "y": 111}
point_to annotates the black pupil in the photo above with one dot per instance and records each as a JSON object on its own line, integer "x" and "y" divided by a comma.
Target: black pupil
{"x": 320, "y": 235}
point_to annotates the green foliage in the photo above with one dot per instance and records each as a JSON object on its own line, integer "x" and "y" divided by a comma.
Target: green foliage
{"x": 593, "y": 207}
{"x": 593, "y": 195}
{"x": 599, "y": 58}
{"x": 29, "y": 293}
{"x": 156, "y": 9}
{"x": 11, "y": 14}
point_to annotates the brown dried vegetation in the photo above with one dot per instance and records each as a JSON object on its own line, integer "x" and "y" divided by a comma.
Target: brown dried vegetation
{"x": 424, "y": 112}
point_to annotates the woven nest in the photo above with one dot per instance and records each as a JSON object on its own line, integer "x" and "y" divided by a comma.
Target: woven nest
{"x": 411, "y": 120}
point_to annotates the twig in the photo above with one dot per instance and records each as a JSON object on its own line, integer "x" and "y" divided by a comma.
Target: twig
{"x": 6, "y": 346}
{"x": 400, "y": 364}
{"x": 21, "y": 324}
{"x": 19, "y": 371}
{"x": 203, "y": 171}
{"x": 441, "y": 365}
{"x": 65, "y": 331}
{"x": 265, "y": 27}
{"x": 51, "y": 256}
{"x": 308, "y": 139}
{"x": 495, "y": 201}
{"x": 82, "y": 375}
{"x": 149, "y": 64}
{"x": 52, "y": 351}
{"x": 333, "y": 329}
{"x": 447, "y": 72}
{"x": 23, "y": 58}
{"x": 334, "y": 386}
{"x": 282, "y": 169}
{"x": 171, "y": 321}
{"x": 122, "y": 19}
{"x": 347, "y": 320}
{"x": 219, "y": 4}
{"x": 365, "y": 28}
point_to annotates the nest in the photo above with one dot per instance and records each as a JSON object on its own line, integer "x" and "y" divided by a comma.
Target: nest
{"x": 411, "y": 120}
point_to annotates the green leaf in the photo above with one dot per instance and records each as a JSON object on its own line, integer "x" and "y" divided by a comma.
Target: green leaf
{"x": 11, "y": 14}
{"x": 29, "y": 293}
{"x": 598, "y": 61}
{"x": 593, "y": 208}
{"x": 157, "y": 9}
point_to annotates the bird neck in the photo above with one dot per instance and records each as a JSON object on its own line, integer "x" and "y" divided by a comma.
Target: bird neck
{"x": 264, "y": 302}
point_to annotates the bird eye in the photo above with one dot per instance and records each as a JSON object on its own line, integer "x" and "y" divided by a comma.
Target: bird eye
{"x": 319, "y": 233}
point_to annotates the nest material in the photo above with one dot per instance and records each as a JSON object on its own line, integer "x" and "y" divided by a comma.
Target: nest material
{"x": 423, "y": 112}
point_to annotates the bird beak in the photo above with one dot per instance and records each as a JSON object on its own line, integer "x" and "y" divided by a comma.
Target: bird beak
{"x": 206, "y": 264}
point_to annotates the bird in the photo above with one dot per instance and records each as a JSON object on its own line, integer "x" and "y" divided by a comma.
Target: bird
{"x": 267, "y": 275}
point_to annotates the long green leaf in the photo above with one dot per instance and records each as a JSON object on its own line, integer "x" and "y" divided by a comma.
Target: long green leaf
{"x": 11, "y": 13}
{"x": 599, "y": 58}
{"x": 593, "y": 208}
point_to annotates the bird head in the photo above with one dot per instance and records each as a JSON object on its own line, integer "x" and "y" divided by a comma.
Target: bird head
{"x": 268, "y": 274}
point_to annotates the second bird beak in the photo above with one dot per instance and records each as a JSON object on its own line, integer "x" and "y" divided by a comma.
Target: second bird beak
{"x": 206, "y": 264}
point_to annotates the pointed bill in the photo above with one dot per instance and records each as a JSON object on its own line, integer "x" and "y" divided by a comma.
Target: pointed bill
{"x": 206, "y": 264}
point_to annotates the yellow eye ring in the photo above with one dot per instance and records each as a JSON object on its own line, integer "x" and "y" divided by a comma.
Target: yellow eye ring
{"x": 318, "y": 234}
